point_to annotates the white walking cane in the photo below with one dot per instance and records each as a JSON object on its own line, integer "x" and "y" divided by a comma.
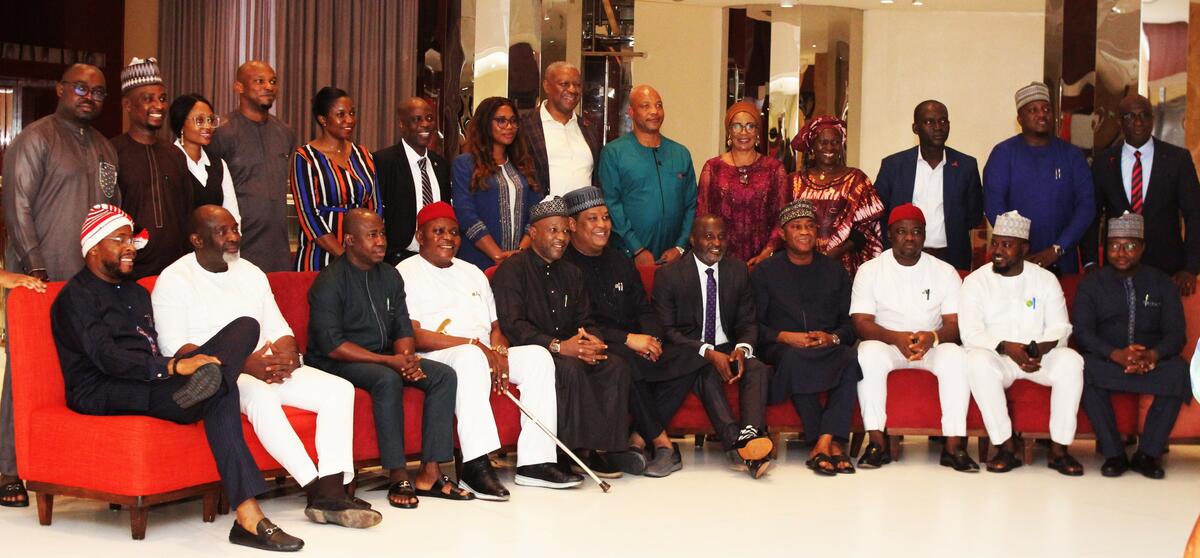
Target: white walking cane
{"x": 603, "y": 485}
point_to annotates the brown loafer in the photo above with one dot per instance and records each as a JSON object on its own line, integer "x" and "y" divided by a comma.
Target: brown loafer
{"x": 268, "y": 537}
{"x": 1065, "y": 464}
{"x": 1004, "y": 462}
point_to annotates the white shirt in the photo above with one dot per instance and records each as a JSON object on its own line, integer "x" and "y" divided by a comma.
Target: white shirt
{"x": 720, "y": 336}
{"x": 1127, "y": 160}
{"x": 568, "y": 154}
{"x": 903, "y": 297}
{"x": 928, "y": 195}
{"x": 459, "y": 295}
{"x": 191, "y": 304}
{"x": 414, "y": 166}
{"x": 199, "y": 169}
{"x": 1027, "y": 307}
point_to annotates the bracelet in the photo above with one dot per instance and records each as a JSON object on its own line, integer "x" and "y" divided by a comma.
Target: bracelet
{"x": 935, "y": 338}
{"x": 681, "y": 250}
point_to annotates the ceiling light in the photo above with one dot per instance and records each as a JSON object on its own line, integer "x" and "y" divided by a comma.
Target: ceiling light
{"x": 918, "y": 3}
{"x": 787, "y": 3}
{"x": 887, "y": 1}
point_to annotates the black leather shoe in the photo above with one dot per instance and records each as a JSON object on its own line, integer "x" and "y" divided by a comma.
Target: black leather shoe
{"x": 758, "y": 467}
{"x": 546, "y": 475}
{"x": 874, "y": 457}
{"x": 1003, "y": 462}
{"x": 1115, "y": 466}
{"x": 960, "y": 461}
{"x": 632, "y": 461}
{"x": 752, "y": 445}
{"x": 268, "y": 537}
{"x": 1066, "y": 465}
{"x": 341, "y": 511}
{"x": 479, "y": 478}
{"x": 1149, "y": 467}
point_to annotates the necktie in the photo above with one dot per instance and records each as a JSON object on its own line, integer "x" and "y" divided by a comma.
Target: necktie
{"x": 426, "y": 188}
{"x": 710, "y": 309}
{"x": 1135, "y": 184}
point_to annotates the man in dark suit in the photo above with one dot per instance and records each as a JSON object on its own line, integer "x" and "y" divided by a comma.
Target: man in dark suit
{"x": 1157, "y": 180}
{"x": 705, "y": 304}
{"x": 941, "y": 181}
{"x": 564, "y": 146}
{"x": 410, "y": 177}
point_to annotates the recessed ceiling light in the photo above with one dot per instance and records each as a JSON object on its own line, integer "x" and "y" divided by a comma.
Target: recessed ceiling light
{"x": 814, "y": 45}
{"x": 786, "y": 3}
{"x": 918, "y": 3}
{"x": 887, "y": 1}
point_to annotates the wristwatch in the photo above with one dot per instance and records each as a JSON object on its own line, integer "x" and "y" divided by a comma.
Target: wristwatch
{"x": 836, "y": 340}
{"x": 1058, "y": 250}
{"x": 500, "y": 350}
{"x": 682, "y": 251}
{"x": 555, "y": 346}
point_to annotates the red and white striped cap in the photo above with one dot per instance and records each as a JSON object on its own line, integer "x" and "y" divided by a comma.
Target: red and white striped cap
{"x": 101, "y": 221}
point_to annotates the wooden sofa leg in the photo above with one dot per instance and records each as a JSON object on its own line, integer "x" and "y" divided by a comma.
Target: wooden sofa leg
{"x": 856, "y": 442}
{"x": 114, "y": 507}
{"x": 45, "y": 505}
{"x": 1028, "y": 444}
{"x": 894, "y": 447}
{"x": 698, "y": 440}
{"x": 985, "y": 446}
{"x": 209, "y": 514}
{"x": 137, "y": 521}
{"x": 776, "y": 441}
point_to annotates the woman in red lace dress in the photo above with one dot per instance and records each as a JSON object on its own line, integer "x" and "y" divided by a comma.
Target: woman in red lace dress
{"x": 847, "y": 206}
{"x": 743, "y": 186}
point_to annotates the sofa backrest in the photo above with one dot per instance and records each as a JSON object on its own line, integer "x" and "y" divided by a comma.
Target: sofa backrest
{"x": 291, "y": 294}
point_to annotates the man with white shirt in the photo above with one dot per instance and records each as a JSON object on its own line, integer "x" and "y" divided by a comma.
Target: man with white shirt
{"x": 942, "y": 182}
{"x": 564, "y": 146}
{"x": 1013, "y": 322}
{"x": 411, "y": 176}
{"x": 202, "y": 292}
{"x": 454, "y": 320}
{"x": 904, "y": 306}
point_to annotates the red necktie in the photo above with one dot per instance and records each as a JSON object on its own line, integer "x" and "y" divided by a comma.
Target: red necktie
{"x": 1135, "y": 184}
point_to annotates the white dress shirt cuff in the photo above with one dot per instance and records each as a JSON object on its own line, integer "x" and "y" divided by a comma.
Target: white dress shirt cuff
{"x": 705, "y": 347}
{"x": 745, "y": 347}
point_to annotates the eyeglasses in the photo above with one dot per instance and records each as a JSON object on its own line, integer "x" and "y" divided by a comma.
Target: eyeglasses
{"x": 1127, "y": 246}
{"x": 740, "y": 127}
{"x": 502, "y": 122}
{"x": 81, "y": 89}
{"x": 1131, "y": 116}
{"x": 126, "y": 240}
{"x": 211, "y": 121}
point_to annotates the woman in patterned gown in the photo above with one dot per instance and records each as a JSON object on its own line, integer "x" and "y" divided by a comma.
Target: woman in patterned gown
{"x": 847, "y": 206}
{"x": 744, "y": 187}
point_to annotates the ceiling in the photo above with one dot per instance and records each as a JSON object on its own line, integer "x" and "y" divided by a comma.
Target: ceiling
{"x": 942, "y": 5}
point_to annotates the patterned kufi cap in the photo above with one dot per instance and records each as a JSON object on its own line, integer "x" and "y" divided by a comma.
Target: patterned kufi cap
{"x": 140, "y": 72}
{"x": 549, "y": 207}
{"x": 1035, "y": 91}
{"x": 1012, "y": 224}
{"x": 796, "y": 210}
{"x": 583, "y": 199}
{"x": 1129, "y": 225}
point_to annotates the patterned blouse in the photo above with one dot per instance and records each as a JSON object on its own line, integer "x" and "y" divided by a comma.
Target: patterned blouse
{"x": 749, "y": 198}
{"x": 324, "y": 191}
{"x": 848, "y": 208}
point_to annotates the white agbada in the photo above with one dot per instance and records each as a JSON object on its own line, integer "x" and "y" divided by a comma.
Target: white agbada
{"x": 909, "y": 298}
{"x": 1027, "y": 307}
{"x": 460, "y": 297}
{"x": 191, "y": 304}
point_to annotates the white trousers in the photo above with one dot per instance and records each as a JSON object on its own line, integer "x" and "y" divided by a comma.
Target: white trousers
{"x": 990, "y": 373}
{"x": 946, "y": 361}
{"x": 529, "y": 367}
{"x": 329, "y": 396}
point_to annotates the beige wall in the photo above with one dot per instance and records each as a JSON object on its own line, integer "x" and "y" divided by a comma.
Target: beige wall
{"x": 141, "y": 35}
{"x": 972, "y": 62}
{"x": 685, "y": 61}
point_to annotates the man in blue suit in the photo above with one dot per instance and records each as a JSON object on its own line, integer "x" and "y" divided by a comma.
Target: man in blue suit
{"x": 941, "y": 181}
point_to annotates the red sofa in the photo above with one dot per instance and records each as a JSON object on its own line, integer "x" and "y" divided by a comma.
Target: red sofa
{"x": 138, "y": 461}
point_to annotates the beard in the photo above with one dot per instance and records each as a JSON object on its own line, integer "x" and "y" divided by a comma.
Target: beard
{"x": 231, "y": 257}
{"x": 114, "y": 270}
{"x": 997, "y": 268}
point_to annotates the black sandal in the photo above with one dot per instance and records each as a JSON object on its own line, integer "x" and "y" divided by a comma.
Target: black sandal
{"x": 403, "y": 489}
{"x": 842, "y": 465}
{"x": 14, "y": 488}
{"x": 818, "y": 462}
{"x": 457, "y": 494}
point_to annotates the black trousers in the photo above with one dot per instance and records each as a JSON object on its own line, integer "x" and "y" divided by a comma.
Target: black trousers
{"x": 221, "y": 413}
{"x": 593, "y": 402}
{"x": 752, "y": 400}
{"x": 1160, "y": 419}
{"x": 653, "y": 404}
{"x": 387, "y": 402}
{"x": 834, "y": 418}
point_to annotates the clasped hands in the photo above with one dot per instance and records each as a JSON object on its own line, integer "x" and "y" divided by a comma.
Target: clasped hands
{"x": 1019, "y": 353}
{"x": 806, "y": 339}
{"x": 270, "y": 364}
{"x": 913, "y": 344}
{"x": 646, "y": 346}
{"x": 1136, "y": 359}
{"x": 585, "y": 347}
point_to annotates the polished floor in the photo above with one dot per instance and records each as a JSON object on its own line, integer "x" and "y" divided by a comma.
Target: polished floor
{"x": 909, "y": 508}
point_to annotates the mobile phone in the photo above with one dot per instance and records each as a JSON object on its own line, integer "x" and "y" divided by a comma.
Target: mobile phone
{"x": 1033, "y": 350}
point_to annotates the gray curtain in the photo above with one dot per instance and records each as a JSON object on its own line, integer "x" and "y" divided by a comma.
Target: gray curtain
{"x": 366, "y": 47}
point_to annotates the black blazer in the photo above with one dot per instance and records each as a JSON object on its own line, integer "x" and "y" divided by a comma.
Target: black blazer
{"x": 398, "y": 194}
{"x": 1173, "y": 192}
{"x": 535, "y": 141}
{"x": 962, "y": 197}
{"x": 679, "y": 302}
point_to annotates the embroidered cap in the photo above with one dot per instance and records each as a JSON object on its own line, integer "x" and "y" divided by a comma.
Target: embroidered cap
{"x": 549, "y": 207}
{"x": 1035, "y": 91}
{"x": 583, "y": 199}
{"x": 906, "y": 211}
{"x": 140, "y": 72}
{"x": 1129, "y": 225}
{"x": 796, "y": 210}
{"x": 436, "y": 210}
{"x": 101, "y": 221}
{"x": 1012, "y": 224}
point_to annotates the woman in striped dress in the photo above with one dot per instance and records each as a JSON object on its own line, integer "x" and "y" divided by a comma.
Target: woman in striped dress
{"x": 847, "y": 206}
{"x": 330, "y": 176}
